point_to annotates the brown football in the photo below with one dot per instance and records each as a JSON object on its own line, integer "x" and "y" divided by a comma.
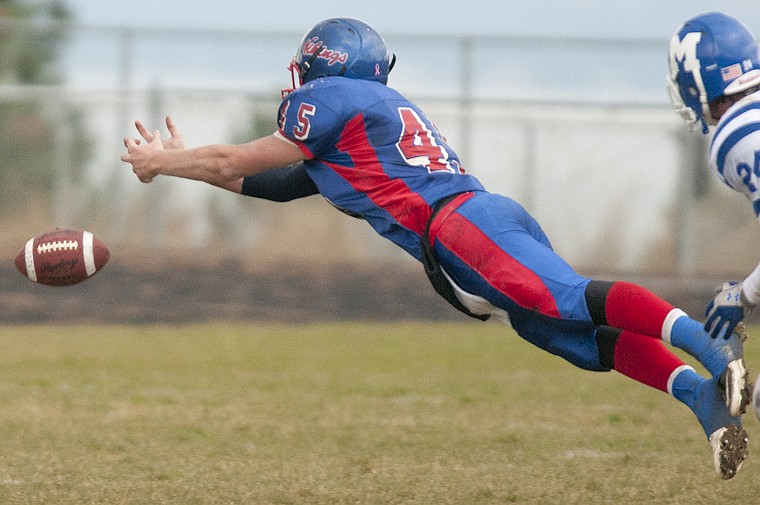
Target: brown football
{"x": 62, "y": 257}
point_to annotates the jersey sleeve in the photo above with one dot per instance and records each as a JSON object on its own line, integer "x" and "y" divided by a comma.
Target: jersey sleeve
{"x": 280, "y": 184}
{"x": 736, "y": 161}
{"x": 309, "y": 122}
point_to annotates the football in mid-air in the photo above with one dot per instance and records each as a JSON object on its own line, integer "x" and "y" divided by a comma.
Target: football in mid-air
{"x": 62, "y": 257}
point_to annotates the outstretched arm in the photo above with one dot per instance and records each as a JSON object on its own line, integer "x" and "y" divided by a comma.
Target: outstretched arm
{"x": 278, "y": 185}
{"x": 220, "y": 164}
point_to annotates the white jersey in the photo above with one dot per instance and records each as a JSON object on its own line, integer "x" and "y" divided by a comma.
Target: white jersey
{"x": 735, "y": 157}
{"x": 735, "y": 148}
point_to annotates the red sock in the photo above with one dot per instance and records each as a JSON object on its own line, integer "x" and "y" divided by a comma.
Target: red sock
{"x": 645, "y": 360}
{"x": 634, "y": 308}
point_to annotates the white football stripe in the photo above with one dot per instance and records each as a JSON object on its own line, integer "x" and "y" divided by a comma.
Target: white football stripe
{"x": 89, "y": 256}
{"x": 29, "y": 259}
{"x": 667, "y": 324}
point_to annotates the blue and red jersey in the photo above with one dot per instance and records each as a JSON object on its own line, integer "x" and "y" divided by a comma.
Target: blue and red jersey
{"x": 373, "y": 153}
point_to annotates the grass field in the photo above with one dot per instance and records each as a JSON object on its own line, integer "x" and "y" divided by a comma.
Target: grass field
{"x": 418, "y": 413}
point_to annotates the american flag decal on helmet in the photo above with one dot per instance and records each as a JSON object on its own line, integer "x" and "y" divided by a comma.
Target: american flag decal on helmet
{"x": 732, "y": 72}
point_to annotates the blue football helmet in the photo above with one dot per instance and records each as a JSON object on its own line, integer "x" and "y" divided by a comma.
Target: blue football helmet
{"x": 710, "y": 55}
{"x": 343, "y": 47}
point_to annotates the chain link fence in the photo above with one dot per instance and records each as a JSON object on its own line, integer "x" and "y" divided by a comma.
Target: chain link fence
{"x": 611, "y": 173}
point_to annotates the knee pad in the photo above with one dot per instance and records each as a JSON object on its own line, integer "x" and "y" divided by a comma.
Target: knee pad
{"x": 606, "y": 340}
{"x": 596, "y": 297}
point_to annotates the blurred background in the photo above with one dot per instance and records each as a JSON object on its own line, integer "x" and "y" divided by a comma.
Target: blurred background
{"x": 560, "y": 105}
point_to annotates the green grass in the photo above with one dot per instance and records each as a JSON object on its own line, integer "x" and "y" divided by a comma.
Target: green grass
{"x": 336, "y": 414}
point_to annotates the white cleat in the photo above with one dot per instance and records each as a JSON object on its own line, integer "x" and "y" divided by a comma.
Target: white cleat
{"x": 729, "y": 446}
{"x": 736, "y": 388}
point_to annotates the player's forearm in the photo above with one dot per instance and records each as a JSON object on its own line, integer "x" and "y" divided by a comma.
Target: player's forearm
{"x": 215, "y": 164}
{"x": 235, "y": 186}
{"x": 751, "y": 287}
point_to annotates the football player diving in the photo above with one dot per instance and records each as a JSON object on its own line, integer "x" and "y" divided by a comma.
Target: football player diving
{"x": 345, "y": 134}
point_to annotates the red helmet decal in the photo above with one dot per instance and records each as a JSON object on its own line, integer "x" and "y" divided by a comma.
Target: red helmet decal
{"x": 314, "y": 46}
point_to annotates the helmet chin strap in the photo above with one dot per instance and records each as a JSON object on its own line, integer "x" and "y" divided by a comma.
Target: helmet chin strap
{"x": 707, "y": 118}
{"x": 306, "y": 65}
{"x": 686, "y": 113}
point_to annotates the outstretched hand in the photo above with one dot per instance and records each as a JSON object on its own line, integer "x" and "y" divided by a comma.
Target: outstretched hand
{"x": 726, "y": 310}
{"x": 175, "y": 141}
{"x": 139, "y": 154}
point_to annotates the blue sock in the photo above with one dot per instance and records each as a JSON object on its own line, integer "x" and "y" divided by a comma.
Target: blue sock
{"x": 687, "y": 333}
{"x": 685, "y": 385}
{"x": 690, "y": 335}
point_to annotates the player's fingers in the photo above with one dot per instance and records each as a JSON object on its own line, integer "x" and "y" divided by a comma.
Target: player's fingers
{"x": 171, "y": 126}
{"x": 720, "y": 328}
{"x": 715, "y": 327}
{"x": 729, "y": 330}
{"x": 712, "y": 330}
{"x": 143, "y": 131}
{"x": 710, "y": 324}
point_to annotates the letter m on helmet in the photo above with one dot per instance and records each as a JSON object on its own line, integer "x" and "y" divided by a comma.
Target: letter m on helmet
{"x": 684, "y": 51}
{"x": 685, "y": 86}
